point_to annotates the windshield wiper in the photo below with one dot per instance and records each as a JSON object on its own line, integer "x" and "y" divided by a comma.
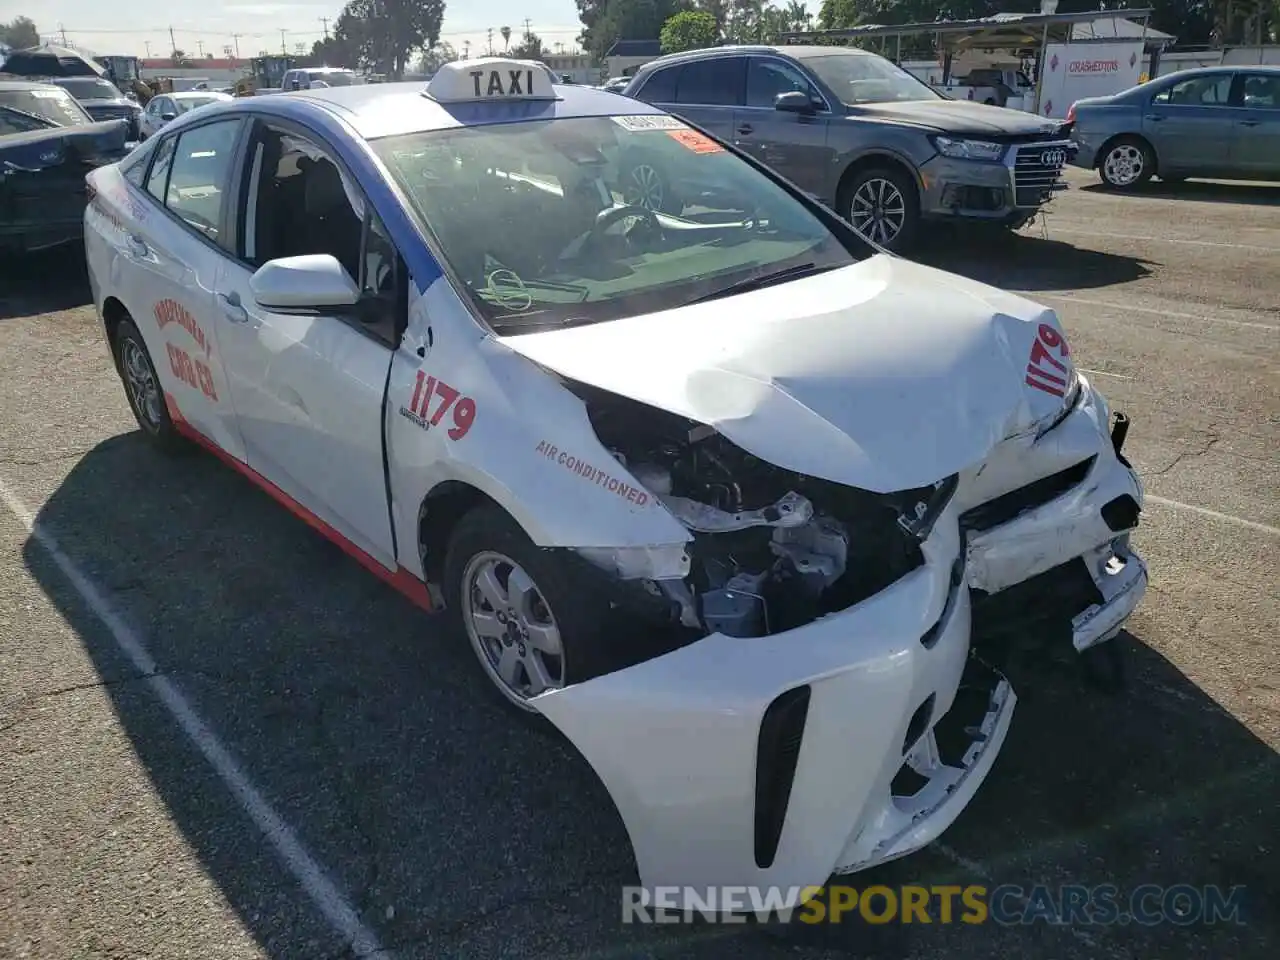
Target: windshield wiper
{"x": 763, "y": 280}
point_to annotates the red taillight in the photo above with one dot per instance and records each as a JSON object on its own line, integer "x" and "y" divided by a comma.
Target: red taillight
{"x": 1071, "y": 114}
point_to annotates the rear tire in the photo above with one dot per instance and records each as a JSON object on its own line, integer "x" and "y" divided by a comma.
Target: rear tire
{"x": 1126, "y": 164}
{"x": 144, "y": 391}
{"x": 644, "y": 185}
{"x": 530, "y": 617}
{"x": 882, "y": 203}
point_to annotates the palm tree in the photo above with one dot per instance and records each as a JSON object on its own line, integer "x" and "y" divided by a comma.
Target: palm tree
{"x": 506, "y": 38}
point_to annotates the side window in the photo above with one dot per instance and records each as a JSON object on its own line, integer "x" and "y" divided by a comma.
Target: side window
{"x": 299, "y": 201}
{"x": 1210, "y": 91}
{"x": 158, "y": 178}
{"x": 714, "y": 82}
{"x": 766, "y": 79}
{"x": 201, "y": 171}
{"x": 1261, "y": 90}
{"x": 660, "y": 87}
{"x": 134, "y": 167}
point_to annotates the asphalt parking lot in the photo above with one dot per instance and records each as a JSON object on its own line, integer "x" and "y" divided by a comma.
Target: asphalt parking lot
{"x": 290, "y": 755}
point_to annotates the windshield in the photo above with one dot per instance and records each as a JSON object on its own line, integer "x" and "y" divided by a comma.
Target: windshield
{"x": 548, "y": 222}
{"x": 865, "y": 78}
{"x": 90, "y": 88}
{"x": 52, "y": 103}
{"x": 334, "y": 79}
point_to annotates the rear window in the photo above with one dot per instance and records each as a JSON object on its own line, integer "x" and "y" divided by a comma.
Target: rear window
{"x": 52, "y": 103}
{"x": 590, "y": 219}
{"x": 190, "y": 103}
{"x": 90, "y": 88}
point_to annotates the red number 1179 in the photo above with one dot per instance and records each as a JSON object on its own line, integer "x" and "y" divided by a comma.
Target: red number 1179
{"x": 463, "y": 408}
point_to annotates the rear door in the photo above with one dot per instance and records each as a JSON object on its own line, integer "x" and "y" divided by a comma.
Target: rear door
{"x": 173, "y": 252}
{"x": 1192, "y": 124}
{"x": 793, "y": 144}
{"x": 308, "y": 386}
{"x": 708, "y": 92}
{"x": 1255, "y": 150}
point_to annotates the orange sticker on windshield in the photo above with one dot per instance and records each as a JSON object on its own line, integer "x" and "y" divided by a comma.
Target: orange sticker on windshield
{"x": 695, "y": 141}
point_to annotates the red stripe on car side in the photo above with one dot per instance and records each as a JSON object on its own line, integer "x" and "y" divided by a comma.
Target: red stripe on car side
{"x": 400, "y": 579}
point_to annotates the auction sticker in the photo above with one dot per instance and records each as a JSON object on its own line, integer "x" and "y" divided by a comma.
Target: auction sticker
{"x": 649, "y": 122}
{"x": 695, "y": 141}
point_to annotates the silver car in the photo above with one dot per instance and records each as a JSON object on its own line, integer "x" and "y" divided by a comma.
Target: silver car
{"x": 1217, "y": 122}
{"x": 856, "y": 132}
{"x": 168, "y": 106}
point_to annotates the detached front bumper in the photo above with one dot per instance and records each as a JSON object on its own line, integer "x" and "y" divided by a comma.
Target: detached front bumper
{"x": 776, "y": 761}
{"x": 1054, "y": 553}
{"x": 1011, "y": 190}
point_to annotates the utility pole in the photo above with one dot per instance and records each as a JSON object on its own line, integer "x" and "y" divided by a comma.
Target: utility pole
{"x": 235, "y": 38}
{"x": 527, "y": 31}
{"x": 325, "y": 23}
{"x": 283, "y": 49}
{"x": 173, "y": 44}
{"x": 466, "y": 49}
{"x": 490, "y": 47}
{"x": 147, "y": 44}
{"x": 200, "y": 47}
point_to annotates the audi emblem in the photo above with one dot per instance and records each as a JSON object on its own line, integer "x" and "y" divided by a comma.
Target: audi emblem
{"x": 1053, "y": 158}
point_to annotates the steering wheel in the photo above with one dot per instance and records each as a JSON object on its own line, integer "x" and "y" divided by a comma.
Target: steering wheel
{"x": 607, "y": 218}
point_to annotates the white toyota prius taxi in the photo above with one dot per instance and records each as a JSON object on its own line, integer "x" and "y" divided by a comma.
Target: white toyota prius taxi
{"x": 725, "y": 495}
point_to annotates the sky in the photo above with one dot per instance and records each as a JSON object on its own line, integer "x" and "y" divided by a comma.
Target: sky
{"x": 126, "y": 27}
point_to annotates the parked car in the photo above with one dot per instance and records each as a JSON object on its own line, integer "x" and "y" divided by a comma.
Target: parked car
{"x": 615, "y": 84}
{"x": 169, "y": 106}
{"x": 102, "y": 100}
{"x": 48, "y": 144}
{"x": 304, "y": 78}
{"x": 858, "y": 133}
{"x": 1219, "y": 122}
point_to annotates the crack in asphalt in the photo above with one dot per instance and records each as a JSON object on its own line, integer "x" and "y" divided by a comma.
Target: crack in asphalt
{"x": 44, "y": 461}
{"x": 23, "y": 703}
{"x": 1184, "y": 456}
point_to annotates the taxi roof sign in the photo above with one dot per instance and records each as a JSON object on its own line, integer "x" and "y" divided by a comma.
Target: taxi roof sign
{"x": 491, "y": 78}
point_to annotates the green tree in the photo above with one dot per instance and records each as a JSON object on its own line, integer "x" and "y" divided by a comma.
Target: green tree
{"x": 607, "y": 21}
{"x": 385, "y": 33}
{"x": 435, "y": 58}
{"x": 529, "y": 48}
{"x": 334, "y": 52}
{"x": 19, "y": 33}
{"x": 506, "y": 38}
{"x": 689, "y": 30}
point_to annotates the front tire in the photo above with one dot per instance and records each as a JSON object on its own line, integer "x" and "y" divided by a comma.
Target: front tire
{"x": 1127, "y": 164}
{"x": 883, "y": 205}
{"x": 532, "y": 621}
{"x": 144, "y": 390}
{"x": 643, "y": 185}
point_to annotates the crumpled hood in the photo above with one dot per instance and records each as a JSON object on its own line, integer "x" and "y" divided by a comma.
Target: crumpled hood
{"x": 884, "y": 375}
{"x": 956, "y": 116}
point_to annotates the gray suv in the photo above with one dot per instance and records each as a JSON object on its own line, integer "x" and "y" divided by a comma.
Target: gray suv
{"x": 858, "y": 133}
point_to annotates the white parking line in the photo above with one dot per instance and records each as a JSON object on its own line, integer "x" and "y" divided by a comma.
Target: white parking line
{"x": 1103, "y": 373}
{"x": 1183, "y": 240}
{"x": 341, "y": 915}
{"x": 1128, "y": 307}
{"x": 1206, "y": 512}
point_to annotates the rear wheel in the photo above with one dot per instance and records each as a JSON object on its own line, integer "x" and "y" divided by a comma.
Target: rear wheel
{"x": 143, "y": 389}
{"x": 643, "y": 185}
{"x": 882, "y": 204}
{"x": 532, "y": 621}
{"x": 1127, "y": 163}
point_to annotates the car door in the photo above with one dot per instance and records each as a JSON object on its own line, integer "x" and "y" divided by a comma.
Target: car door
{"x": 793, "y": 144}
{"x": 1191, "y": 124}
{"x": 172, "y": 255}
{"x": 1255, "y": 150}
{"x": 708, "y": 92}
{"x": 308, "y": 386}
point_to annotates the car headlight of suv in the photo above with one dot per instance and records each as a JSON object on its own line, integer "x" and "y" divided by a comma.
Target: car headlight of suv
{"x": 959, "y": 149}
{"x": 1069, "y": 401}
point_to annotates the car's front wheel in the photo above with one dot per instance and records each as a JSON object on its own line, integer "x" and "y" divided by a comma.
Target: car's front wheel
{"x": 1126, "y": 164}
{"x": 533, "y": 622}
{"x": 882, "y": 204}
{"x": 644, "y": 185}
{"x": 144, "y": 391}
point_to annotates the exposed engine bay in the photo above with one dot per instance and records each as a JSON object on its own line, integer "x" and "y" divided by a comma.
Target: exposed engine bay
{"x": 772, "y": 549}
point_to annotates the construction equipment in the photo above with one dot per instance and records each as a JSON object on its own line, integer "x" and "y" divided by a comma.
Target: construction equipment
{"x": 267, "y": 75}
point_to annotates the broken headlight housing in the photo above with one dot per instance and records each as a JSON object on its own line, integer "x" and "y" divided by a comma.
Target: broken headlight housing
{"x": 1069, "y": 401}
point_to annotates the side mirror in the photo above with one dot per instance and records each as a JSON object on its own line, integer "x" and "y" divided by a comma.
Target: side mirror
{"x": 793, "y": 101}
{"x": 316, "y": 281}
{"x": 168, "y": 115}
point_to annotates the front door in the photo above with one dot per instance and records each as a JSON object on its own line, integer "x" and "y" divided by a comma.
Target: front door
{"x": 792, "y": 144}
{"x": 308, "y": 387}
{"x": 1190, "y": 124}
{"x": 1256, "y": 146}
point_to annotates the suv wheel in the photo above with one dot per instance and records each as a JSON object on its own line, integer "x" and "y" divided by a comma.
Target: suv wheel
{"x": 882, "y": 204}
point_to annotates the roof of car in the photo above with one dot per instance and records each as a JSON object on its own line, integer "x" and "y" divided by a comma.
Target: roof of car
{"x": 790, "y": 50}
{"x": 23, "y": 83}
{"x": 192, "y": 94}
{"x": 388, "y": 109}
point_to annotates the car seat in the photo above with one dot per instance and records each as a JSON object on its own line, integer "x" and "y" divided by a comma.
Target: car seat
{"x": 330, "y": 223}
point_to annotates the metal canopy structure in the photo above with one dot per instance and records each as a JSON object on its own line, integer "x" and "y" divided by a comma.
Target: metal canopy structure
{"x": 1009, "y": 31}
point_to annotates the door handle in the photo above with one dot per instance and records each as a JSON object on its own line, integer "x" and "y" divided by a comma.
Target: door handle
{"x": 136, "y": 246}
{"x": 1153, "y": 117}
{"x": 231, "y": 307}
{"x": 1249, "y": 123}
{"x": 745, "y": 128}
